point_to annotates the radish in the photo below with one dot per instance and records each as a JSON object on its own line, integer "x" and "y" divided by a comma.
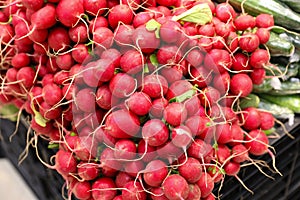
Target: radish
{"x": 87, "y": 171}
{"x": 244, "y": 22}
{"x": 209, "y": 197}
{"x": 26, "y": 77}
{"x": 267, "y": 120}
{"x": 95, "y": 8}
{"x": 207, "y": 30}
{"x": 158, "y": 106}
{"x": 145, "y": 40}
{"x": 258, "y": 76}
{"x": 240, "y": 153}
{"x": 85, "y": 100}
{"x": 168, "y": 54}
{"x": 240, "y": 62}
{"x": 48, "y": 112}
{"x": 139, "y": 103}
{"x": 154, "y": 85}
{"x": 122, "y": 178}
{"x": 122, "y": 85}
{"x": 263, "y": 34}
{"x": 120, "y": 13}
{"x": 157, "y": 194}
{"x": 103, "y": 37}
{"x": 194, "y": 192}
{"x": 147, "y": 153}
{"x": 181, "y": 136}
{"x": 112, "y": 54}
{"x": 20, "y": 60}
{"x": 222, "y": 29}
{"x": 109, "y": 165}
{"x": 193, "y": 106}
{"x": 132, "y": 62}
{"x": 206, "y": 184}
{"x": 155, "y": 132}
{"x": 141, "y": 18}
{"x": 201, "y": 76}
{"x": 232, "y": 168}
{"x": 232, "y": 41}
{"x": 82, "y": 190}
{"x": 155, "y": 173}
{"x": 241, "y": 85}
{"x": 166, "y": 3}
{"x": 80, "y": 53}
{"x": 178, "y": 88}
{"x": 250, "y": 118}
{"x": 123, "y": 35}
{"x": 259, "y": 58}
{"x": 58, "y": 39}
{"x": 199, "y": 149}
{"x": 133, "y": 168}
{"x": 223, "y": 133}
{"x": 197, "y": 124}
{"x": 225, "y": 12}
{"x": 134, "y": 191}
{"x": 264, "y": 20}
{"x": 33, "y": 5}
{"x": 170, "y": 31}
{"x": 44, "y": 18}
{"x": 172, "y": 74}
{"x": 104, "y": 188}
{"x": 125, "y": 149}
{"x": 209, "y": 96}
{"x": 222, "y": 153}
{"x": 68, "y": 13}
{"x": 175, "y": 187}
{"x": 249, "y": 42}
{"x": 65, "y": 163}
{"x": 195, "y": 57}
{"x": 175, "y": 114}
{"x": 122, "y": 124}
{"x": 78, "y": 33}
{"x": 191, "y": 170}
{"x": 237, "y": 134}
{"x": 44, "y": 130}
{"x": 100, "y": 21}
{"x": 104, "y": 97}
{"x": 222, "y": 82}
{"x": 257, "y": 142}
{"x": 218, "y": 60}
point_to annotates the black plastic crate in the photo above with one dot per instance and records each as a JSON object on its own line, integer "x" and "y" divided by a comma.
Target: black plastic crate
{"x": 286, "y": 187}
{"x": 45, "y": 183}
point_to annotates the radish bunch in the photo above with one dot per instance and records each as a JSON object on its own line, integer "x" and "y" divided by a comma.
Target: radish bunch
{"x": 142, "y": 99}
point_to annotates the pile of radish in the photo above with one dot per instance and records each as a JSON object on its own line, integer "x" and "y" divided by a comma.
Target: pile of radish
{"x": 142, "y": 98}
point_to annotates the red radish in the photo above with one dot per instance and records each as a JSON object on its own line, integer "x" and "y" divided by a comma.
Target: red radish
{"x": 169, "y": 152}
{"x": 175, "y": 187}
{"x": 194, "y": 192}
{"x": 26, "y": 76}
{"x": 244, "y": 22}
{"x": 264, "y": 20}
{"x": 33, "y": 5}
{"x": 195, "y": 57}
{"x": 58, "y": 39}
{"x": 38, "y": 35}
{"x": 6, "y": 32}
{"x": 181, "y": 136}
{"x": 78, "y": 33}
{"x": 237, "y": 134}
{"x": 170, "y": 31}
{"x": 232, "y": 41}
{"x": 139, "y": 103}
{"x": 232, "y": 168}
{"x": 155, "y": 86}
{"x": 104, "y": 188}
{"x": 222, "y": 82}
{"x": 134, "y": 191}
{"x": 141, "y": 18}
{"x": 110, "y": 165}
{"x": 122, "y": 178}
{"x": 155, "y": 132}
{"x": 155, "y": 173}
{"x": 258, "y": 76}
{"x": 199, "y": 149}
{"x": 48, "y": 112}
{"x": 158, "y": 106}
{"x": 178, "y": 88}
{"x": 103, "y": 37}
{"x": 82, "y": 190}
{"x": 222, "y": 29}
{"x": 250, "y": 118}
{"x": 80, "y": 53}
{"x": 44, "y": 18}
{"x": 263, "y": 35}
{"x": 65, "y": 61}
{"x": 100, "y": 21}
{"x": 125, "y": 149}
{"x": 145, "y": 39}
{"x": 20, "y": 60}
{"x": 123, "y": 35}
{"x": 222, "y": 153}
{"x": 122, "y": 124}
{"x": 133, "y": 168}
{"x": 168, "y": 54}
{"x": 132, "y": 62}
{"x": 241, "y": 85}
{"x": 193, "y": 106}
{"x": 104, "y": 97}
{"x": 65, "y": 162}
{"x": 218, "y": 60}
{"x": 175, "y": 114}
{"x": 68, "y": 13}
{"x": 223, "y": 133}
{"x": 120, "y": 13}
{"x": 249, "y": 42}
{"x": 197, "y": 124}
{"x": 112, "y": 54}
{"x": 147, "y": 153}
{"x": 210, "y": 197}
{"x": 172, "y": 74}
{"x": 191, "y": 170}
{"x": 206, "y": 184}
{"x": 225, "y": 12}
{"x": 207, "y": 30}
{"x": 158, "y": 194}
{"x": 166, "y": 3}
{"x": 133, "y": 4}
{"x": 240, "y": 62}
{"x": 95, "y": 8}
{"x": 200, "y": 76}
{"x": 85, "y": 100}
{"x": 257, "y": 142}
{"x": 11, "y": 74}
{"x": 240, "y": 153}
{"x": 119, "y": 197}
{"x": 259, "y": 58}
{"x": 122, "y": 85}
{"x": 209, "y": 96}
{"x": 87, "y": 171}
{"x": 45, "y": 130}
{"x": 267, "y": 120}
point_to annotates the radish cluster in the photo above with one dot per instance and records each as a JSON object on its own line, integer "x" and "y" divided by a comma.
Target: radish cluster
{"x": 143, "y": 103}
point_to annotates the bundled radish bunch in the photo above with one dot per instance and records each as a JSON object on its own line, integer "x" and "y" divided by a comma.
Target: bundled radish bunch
{"x": 142, "y": 97}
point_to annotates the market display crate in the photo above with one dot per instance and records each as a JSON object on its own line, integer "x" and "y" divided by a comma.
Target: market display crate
{"x": 285, "y": 187}
{"x": 45, "y": 183}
